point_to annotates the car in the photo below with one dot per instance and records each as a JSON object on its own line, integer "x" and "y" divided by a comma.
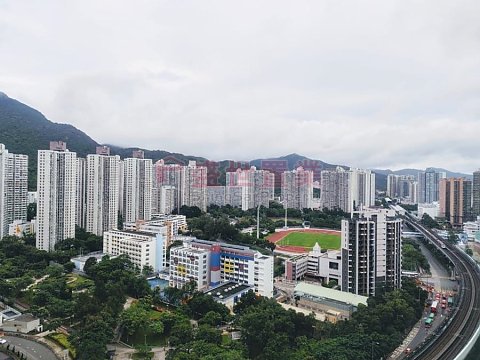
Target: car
{"x": 2, "y": 341}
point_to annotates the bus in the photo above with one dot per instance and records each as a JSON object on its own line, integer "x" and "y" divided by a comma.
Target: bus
{"x": 434, "y": 306}
{"x": 428, "y": 322}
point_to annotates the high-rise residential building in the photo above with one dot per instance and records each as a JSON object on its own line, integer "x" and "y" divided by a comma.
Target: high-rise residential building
{"x": 81, "y": 197}
{"x": 168, "y": 175}
{"x": 257, "y": 187}
{"x": 456, "y": 200}
{"x": 194, "y": 186}
{"x": 428, "y": 185}
{"x": 137, "y": 188}
{"x": 297, "y": 188}
{"x": 402, "y": 187}
{"x": 216, "y": 195}
{"x": 334, "y": 192}
{"x": 121, "y": 189}
{"x": 476, "y": 193}
{"x": 189, "y": 182}
{"x": 56, "y": 186}
{"x": 13, "y": 189}
{"x": 392, "y": 185}
{"x": 234, "y": 195}
{"x": 166, "y": 199}
{"x": 361, "y": 189}
{"x": 102, "y": 174}
{"x": 371, "y": 252}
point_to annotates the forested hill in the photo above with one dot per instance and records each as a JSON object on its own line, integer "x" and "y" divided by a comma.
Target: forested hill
{"x": 25, "y": 130}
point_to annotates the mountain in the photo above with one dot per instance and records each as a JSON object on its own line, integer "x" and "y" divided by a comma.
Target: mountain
{"x": 25, "y": 130}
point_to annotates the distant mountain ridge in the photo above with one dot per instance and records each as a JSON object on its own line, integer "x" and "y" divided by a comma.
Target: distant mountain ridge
{"x": 25, "y": 130}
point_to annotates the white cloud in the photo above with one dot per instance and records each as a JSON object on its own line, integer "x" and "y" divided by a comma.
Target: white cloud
{"x": 364, "y": 83}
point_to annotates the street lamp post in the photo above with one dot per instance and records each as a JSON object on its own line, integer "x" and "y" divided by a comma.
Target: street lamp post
{"x": 374, "y": 343}
{"x": 258, "y": 222}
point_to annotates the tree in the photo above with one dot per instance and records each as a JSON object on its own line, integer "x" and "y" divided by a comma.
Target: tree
{"x": 31, "y": 211}
{"x": 144, "y": 351}
{"x": 91, "y": 341}
{"x": 208, "y": 334}
{"x": 89, "y": 265}
{"x": 211, "y": 318}
{"x": 181, "y": 333}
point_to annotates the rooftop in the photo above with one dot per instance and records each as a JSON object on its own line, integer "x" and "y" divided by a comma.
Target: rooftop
{"x": 24, "y": 318}
{"x": 323, "y": 292}
{"x": 227, "y": 290}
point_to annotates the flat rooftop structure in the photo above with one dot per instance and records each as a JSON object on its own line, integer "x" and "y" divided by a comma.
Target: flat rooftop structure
{"x": 10, "y": 313}
{"x": 223, "y": 245}
{"x": 336, "y": 295}
{"x": 189, "y": 249}
{"x": 133, "y": 232}
{"x": 97, "y": 255}
{"x": 228, "y": 290}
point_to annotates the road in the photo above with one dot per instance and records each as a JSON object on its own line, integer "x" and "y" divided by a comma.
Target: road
{"x": 440, "y": 278}
{"x": 31, "y": 349}
{"x": 465, "y": 316}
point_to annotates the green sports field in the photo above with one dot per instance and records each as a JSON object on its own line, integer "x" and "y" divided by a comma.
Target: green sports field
{"x": 308, "y": 240}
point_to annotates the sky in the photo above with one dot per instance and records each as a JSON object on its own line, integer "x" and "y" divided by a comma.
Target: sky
{"x": 373, "y": 84}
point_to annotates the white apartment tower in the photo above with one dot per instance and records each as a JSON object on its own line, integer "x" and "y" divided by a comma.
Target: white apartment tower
{"x": 56, "y": 186}
{"x": 137, "y": 199}
{"x": 257, "y": 187}
{"x": 102, "y": 191}
{"x": 297, "y": 188}
{"x": 13, "y": 188}
{"x": 361, "y": 189}
{"x": 194, "y": 189}
{"x": 169, "y": 175}
{"x": 334, "y": 192}
{"x": 81, "y": 193}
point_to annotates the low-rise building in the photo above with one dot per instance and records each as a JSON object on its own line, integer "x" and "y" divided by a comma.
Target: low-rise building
{"x": 329, "y": 301}
{"x": 167, "y": 225}
{"x": 80, "y": 261}
{"x": 296, "y": 267}
{"x": 14, "y": 321}
{"x": 471, "y": 228}
{"x": 227, "y": 262}
{"x": 187, "y": 264}
{"x": 431, "y": 209}
{"x": 143, "y": 249}
{"x": 229, "y": 293}
{"x": 20, "y": 228}
{"x": 323, "y": 265}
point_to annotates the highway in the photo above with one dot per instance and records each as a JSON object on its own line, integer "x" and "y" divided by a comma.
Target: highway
{"x": 31, "y": 349}
{"x": 466, "y": 316}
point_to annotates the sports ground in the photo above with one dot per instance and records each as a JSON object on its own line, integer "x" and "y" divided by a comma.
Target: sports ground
{"x": 302, "y": 240}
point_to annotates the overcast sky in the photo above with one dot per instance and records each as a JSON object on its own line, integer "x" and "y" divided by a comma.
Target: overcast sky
{"x": 377, "y": 84}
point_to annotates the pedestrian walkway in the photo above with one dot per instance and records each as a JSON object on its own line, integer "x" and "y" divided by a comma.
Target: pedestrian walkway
{"x": 411, "y": 335}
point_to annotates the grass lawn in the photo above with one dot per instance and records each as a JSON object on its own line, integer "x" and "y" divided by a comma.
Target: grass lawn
{"x": 139, "y": 338}
{"x": 78, "y": 282}
{"x": 62, "y": 340}
{"x": 308, "y": 240}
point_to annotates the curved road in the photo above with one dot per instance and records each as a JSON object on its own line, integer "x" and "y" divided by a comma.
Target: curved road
{"x": 31, "y": 349}
{"x": 461, "y": 327}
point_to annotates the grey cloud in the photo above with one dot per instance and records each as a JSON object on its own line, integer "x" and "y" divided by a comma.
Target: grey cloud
{"x": 366, "y": 83}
